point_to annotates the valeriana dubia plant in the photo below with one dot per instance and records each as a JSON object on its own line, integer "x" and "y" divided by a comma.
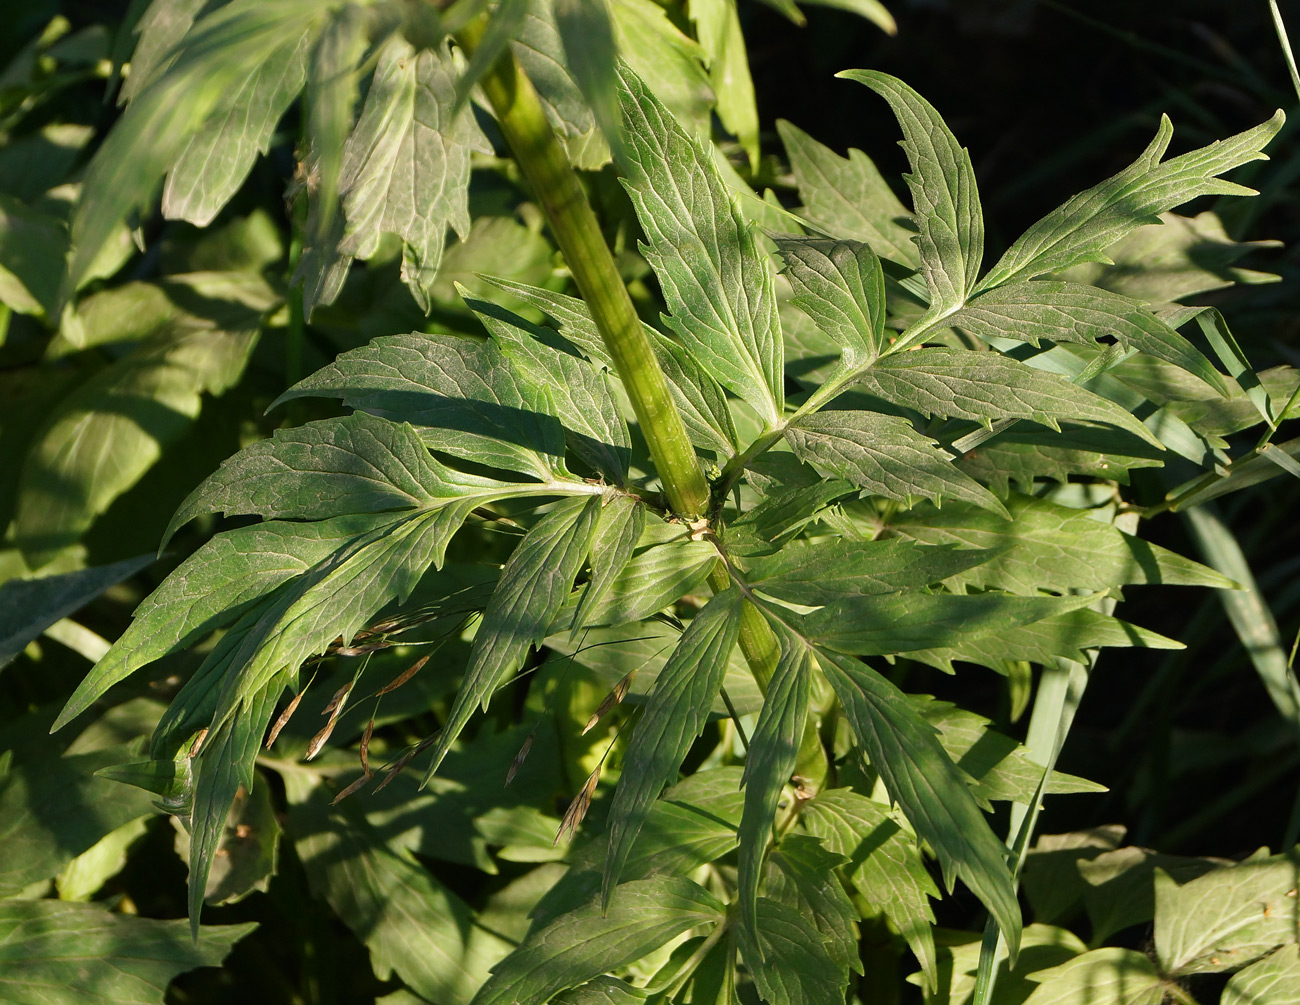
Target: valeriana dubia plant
{"x": 871, "y": 467}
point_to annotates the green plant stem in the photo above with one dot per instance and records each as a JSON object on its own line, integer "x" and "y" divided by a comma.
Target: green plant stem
{"x": 542, "y": 160}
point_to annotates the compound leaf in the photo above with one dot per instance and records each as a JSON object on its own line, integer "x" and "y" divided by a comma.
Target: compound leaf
{"x": 674, "y": 716}
{"x": 534, "y": 584}
{"x": 1083, "y": 227}
{"x": 717, "y": 286}
{"x": 883, "y": 455}
{"x": 945, "y": 198}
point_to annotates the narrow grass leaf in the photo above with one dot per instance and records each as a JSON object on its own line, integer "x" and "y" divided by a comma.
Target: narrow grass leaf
{"x": 674, "y": 716}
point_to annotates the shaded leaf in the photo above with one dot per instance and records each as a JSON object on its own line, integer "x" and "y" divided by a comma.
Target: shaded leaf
{"x": 1228, "y": 917}
{"x": 1069, "y": 312}
{"x": 958, "y": 383}
{"x": 717, "y": 26}
{"x": 769, "y": 763}
{"x": 640, "y": 917}
{"x": 29, "y": 606}
{"x": 790, "y": 964}
{"x": 534, "y": 584}
{"x": 922, "y": 779}
{"x": 462, "y": 390}
{"x": 884, "y": 865}
{"x": 840, "y": 286}
{"x": 616, "y": 535}
{"x": 55, "y": 952}
{"x": 848, "y": 198}
{"x": 1112, "y": 975}
{"x": 1272, "y": 979}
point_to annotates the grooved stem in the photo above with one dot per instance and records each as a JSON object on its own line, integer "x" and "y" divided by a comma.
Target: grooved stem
{"x": 555, "y": 185}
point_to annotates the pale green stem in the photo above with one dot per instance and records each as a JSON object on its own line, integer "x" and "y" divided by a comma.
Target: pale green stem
{"x": 555, "y": 185}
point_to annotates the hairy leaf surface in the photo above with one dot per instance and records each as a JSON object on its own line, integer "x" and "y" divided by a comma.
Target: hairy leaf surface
{"x": 840, "y": 286}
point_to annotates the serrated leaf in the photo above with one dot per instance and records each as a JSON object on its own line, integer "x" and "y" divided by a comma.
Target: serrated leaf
{"x": 1069, "y": 312}
{"x": 670, "y": 62}
{"x": 922, "y": 779}
{"x": 224, "y": 764}
{"x": 1178, "y": 257}
{"x": 218, "y": 158}
{"x": 411, "y": 923}
{"x": 848, "y": 198}
{"x": 1226, "y": 918}
{"x": 802, "y": 874}
{"x": 816, "y": 573}
{"x": 1048, "y": 546}
{"x": 1083, "y": 227}
{"x": 945, "y": 197}
{"x": 55, "y": 952}
{"x": 107, "y": 433}
{"x": 769, "y": 763}
{"x": 640, "y": 917}
{"x": 333, "y": 600}
{"x": 1112, "y": 975}
{"x": 405, "y": 168}
{"x": 213, "y": 587}
{"x": 998, "y": 766}
{"x": 1018, "y": 456}
{"x": 840, "y": 286}
{"x": 883, "y": 455}
{"x": 900, "y": 623}
{"x": 959, "y": 383}
{"x": 793, "y": 966}
{"x": 717, "y": 286}
{"x": 616, "y": 535}
{"x": 697, "y": 395}
{"x": 1275, "y": 978}
{"x": 580, "y": 394}
{"x": 717, "y": 26}
{"x": 1065, "y": 635}
{"x": 217, "y": 55}
{"x": 534, "y": 584}
{"x": 884, "y": 865}
{"x": 359, "y": 463}
{"x": 652, "y": 580}
{"x": 29, "y": 606}
{"x": 462, "y": 390}
{"x": 674, "y": 716}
